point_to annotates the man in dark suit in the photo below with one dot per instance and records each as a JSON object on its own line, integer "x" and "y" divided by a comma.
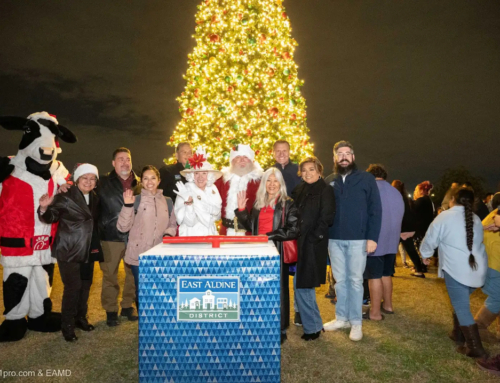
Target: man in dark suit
{"x": 171, "y": 174}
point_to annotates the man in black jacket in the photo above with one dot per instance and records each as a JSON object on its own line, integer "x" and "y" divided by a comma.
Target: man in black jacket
{"x": 171, "y": 174}
{"x": 281, "y": 152}
{"x": 110, "y": 192}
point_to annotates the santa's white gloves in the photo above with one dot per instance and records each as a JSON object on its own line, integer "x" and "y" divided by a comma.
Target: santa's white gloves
{"x": 182, "y": 191}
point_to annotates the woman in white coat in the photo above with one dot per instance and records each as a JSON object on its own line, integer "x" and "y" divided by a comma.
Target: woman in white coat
{"x": 458, "y": 233}
{"x": 199, "y": 205}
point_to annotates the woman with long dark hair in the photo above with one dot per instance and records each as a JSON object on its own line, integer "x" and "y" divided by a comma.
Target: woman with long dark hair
{"x": 424, "y": 209}
{"x": 408, "y": 228}
{"x": 458, "y": 233}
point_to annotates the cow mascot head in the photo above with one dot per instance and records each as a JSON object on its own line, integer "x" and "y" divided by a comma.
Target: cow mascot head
{"x": 25, "y": 241}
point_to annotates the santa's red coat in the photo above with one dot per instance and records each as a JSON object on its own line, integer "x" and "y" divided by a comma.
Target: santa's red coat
{"x": 224, "y": 186}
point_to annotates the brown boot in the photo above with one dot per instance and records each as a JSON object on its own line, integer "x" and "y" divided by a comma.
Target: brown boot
{"x": 456, "y": 334}
{"x": 484, "y": 318}
{"x": 473, "y": 346}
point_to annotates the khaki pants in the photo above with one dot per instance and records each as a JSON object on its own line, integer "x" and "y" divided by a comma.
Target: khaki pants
{"x": 113, "y": 254}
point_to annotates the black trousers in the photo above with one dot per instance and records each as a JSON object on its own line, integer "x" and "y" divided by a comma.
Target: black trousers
{"x": 76, "y": 292}
{"x": 411, "y": 249}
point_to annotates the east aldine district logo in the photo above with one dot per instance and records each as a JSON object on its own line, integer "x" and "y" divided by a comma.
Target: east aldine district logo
{"x": 210, "y": 299}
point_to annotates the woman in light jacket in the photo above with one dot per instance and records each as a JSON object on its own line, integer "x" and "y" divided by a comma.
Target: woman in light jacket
{"x": 199, "y": 204}
{"x": 149, "y": 224}
{"x": 458, "y": 234}
{"x": 267, "y": 218}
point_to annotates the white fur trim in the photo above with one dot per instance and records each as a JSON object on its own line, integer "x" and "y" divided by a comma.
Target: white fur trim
{"x": 238, "y": 184}
{"x": 85, "y": 169}
{"x": 243, "y": 150}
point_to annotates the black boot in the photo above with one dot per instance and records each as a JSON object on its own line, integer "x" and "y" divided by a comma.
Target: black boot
{"x": 112, "y": 319}
{"x": 473, "y": 346}
{"x": 456, "y": 334}
{"x": 129, "y": 313}
{"x": 83, "y": 324}
{"x": 68, "y": 331}
{"x": 13, "y": 330}
{"x": 48, "y": 322}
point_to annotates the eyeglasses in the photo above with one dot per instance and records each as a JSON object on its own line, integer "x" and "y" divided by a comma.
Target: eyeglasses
{"x": 89, "y": 179}
{"x": 344, "y": 155}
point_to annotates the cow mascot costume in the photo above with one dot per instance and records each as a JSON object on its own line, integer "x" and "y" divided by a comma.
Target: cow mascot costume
{"x": 25, "y": 242}
{"x": 243, "y": 174}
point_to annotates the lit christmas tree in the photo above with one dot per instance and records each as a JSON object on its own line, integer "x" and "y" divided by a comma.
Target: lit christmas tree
{"x": 242, "y": 84}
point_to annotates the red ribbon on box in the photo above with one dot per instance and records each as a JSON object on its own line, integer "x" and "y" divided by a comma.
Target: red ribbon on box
{"x": 216, "y": 240}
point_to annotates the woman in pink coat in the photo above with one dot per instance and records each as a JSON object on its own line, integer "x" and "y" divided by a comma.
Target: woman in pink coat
{"x": 146, "y": 223}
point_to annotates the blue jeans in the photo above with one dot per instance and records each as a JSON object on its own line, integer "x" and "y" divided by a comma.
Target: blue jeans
{"x": 135, "y": 273}
{"x": 460, "y": 299}
{"x": 348, "y": 260}
{"x": 308, "y": 308}
{"x": 492, "y": 289}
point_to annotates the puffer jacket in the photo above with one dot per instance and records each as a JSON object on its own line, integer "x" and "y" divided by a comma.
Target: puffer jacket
{"x": 146, "y": 228}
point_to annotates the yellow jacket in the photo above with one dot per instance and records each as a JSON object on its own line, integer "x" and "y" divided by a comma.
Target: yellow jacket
{"x": 492, "y": 243}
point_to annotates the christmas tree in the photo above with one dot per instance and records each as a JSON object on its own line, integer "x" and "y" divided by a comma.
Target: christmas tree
{"x": 242, "y": 83}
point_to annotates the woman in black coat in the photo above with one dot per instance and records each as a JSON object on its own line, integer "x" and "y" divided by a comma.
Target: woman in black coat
{"x": 76, "y": 246}
{"x": 316, "y": 203}
{"x": 408, "y": 227}
{"x": 266, "y": 218}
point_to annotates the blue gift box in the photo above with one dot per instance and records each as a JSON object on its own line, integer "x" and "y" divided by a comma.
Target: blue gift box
{"x": 209, "y": 315}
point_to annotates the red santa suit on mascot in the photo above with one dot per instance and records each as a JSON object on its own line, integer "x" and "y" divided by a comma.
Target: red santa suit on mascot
{"x": 243, "y": 174}
{"x": 25, "y": 242}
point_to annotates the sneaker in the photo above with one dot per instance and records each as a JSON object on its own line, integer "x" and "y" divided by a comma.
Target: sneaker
{"x": 356, "y": 332}
{"x": 366, "y": 302}
{"x": 297, "y": 321}
{"x": 335, "y": 325}
{"x": 112, "y": 319}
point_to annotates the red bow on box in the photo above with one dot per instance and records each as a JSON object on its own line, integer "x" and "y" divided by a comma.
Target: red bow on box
{"x": 197, "y": 160}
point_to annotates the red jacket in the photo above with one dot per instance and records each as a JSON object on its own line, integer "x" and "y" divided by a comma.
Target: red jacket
{"x": 229, "y": 185}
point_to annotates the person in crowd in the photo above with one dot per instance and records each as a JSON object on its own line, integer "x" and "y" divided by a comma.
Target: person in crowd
{"x": 147, "y": 218}
{"x": 76, "y": 246}
{"x": 354, "y": 234}
{"x": 480, "y": 208}
{"x": 487, "y": 200}
{"x": 492, "y": 364}
{"x": 289, "y": 170}
{"x": 199, "y": 204}
{"x": 316, "y": 204}
{"x": 274, "y": 215}
{"x": 424, "y": 211}
{"x": 110, "y": 191}
{"x": 458, "y": 233}
{"x": 171, "y": 174}
{"x": 448, "y": 195}
{"x": 244, "y": 173}
{"x": 380, "y": 264}
{"x": 408, "y": 230}
{"x": 491, "y": 307}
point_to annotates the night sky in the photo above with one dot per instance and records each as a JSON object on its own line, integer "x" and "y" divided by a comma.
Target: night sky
{"x": 414, "y": 85}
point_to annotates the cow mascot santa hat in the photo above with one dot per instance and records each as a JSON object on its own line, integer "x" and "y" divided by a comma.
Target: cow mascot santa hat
{"x": 25, "y": 242}
{"x": 243, "y": 174}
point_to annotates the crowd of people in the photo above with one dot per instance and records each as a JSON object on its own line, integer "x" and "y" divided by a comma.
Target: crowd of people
{"x": 352, "y": 219}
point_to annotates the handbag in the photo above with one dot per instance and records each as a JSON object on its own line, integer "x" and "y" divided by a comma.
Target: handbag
{"x": 290, "y": 249}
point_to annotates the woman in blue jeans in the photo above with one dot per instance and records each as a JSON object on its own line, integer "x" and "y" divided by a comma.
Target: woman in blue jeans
{"x": 458, "y": 234}
{"x": 316, "y": 204}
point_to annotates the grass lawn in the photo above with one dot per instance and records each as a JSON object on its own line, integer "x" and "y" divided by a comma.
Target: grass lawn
{"x": 410, "y": 346}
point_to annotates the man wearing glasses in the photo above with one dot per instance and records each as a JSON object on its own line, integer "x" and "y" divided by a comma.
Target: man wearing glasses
{"x": 352, "y": 236}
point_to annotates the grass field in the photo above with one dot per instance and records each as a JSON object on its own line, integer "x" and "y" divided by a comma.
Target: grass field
{"x": 411, "y": 346}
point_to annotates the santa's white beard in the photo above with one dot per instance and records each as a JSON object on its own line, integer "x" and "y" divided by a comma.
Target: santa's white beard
{"x": 241, "y": 171}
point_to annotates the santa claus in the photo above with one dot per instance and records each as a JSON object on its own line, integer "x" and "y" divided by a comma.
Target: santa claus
{"x": 243, "y": 174}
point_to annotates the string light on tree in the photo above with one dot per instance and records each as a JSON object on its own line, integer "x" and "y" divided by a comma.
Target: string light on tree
{"x": 241, "y": 82}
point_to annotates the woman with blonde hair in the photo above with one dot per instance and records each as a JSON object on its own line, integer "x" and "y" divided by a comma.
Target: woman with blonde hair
{"x": 274, "y": 215}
